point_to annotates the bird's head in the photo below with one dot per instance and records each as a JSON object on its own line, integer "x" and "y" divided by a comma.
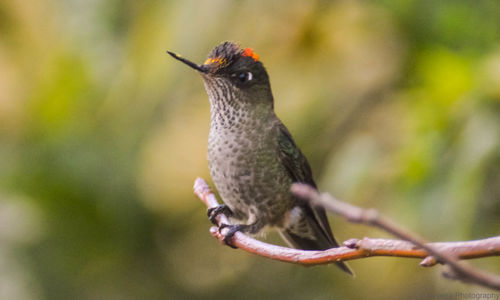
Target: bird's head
{"x": 233, "y": 73}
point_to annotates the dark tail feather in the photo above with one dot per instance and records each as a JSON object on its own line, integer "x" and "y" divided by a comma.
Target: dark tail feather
{"x": 302, "y": 243}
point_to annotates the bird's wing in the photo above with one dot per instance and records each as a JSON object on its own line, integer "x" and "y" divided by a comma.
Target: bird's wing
{"x": 299, "y": 170}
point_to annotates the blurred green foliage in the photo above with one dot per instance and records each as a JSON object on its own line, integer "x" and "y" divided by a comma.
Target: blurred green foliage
{"x": 396, "y": 104}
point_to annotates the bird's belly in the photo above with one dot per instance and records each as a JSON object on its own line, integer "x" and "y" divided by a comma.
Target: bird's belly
{"x": 251, "y": 181}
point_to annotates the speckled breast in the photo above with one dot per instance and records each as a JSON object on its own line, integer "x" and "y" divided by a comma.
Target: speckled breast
{"x": 247, "y": 173}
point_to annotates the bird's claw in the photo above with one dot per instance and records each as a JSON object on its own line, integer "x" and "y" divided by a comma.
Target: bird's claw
{"x": 213, "y": 212}
{"x": 228, "y": 237}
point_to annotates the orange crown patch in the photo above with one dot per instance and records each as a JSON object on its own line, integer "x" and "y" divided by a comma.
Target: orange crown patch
{"x": 249, "y": 52}
{"x": 215, "y": 60}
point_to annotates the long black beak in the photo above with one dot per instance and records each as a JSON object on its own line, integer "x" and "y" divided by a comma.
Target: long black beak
{"x": 199, "y": 68}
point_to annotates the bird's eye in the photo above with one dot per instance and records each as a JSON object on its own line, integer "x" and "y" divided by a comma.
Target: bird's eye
{"x": 244, "y": 76}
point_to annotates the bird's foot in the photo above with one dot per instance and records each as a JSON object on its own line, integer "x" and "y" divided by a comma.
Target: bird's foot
{"x": 213, "y": 212}
{"x": 228, "y": 237}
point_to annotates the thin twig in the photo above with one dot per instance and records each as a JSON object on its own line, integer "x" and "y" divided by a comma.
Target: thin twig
{"x": 352, "y": 249}
{"x": 371, "y": 217}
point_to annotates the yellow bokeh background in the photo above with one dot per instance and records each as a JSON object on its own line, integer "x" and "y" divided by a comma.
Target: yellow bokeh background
{"x": 396, "y": 104}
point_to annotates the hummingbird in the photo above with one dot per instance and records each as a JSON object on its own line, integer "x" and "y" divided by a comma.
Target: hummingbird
{"x": 252, "y": 157}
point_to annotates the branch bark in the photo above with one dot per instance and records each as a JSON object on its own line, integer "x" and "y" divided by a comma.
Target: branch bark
{"x": 411, "y": 246}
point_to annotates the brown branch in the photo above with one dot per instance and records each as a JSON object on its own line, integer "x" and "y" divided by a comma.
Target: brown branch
{"x": 371, "y": 217}
{"x": 352, "y": 249}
